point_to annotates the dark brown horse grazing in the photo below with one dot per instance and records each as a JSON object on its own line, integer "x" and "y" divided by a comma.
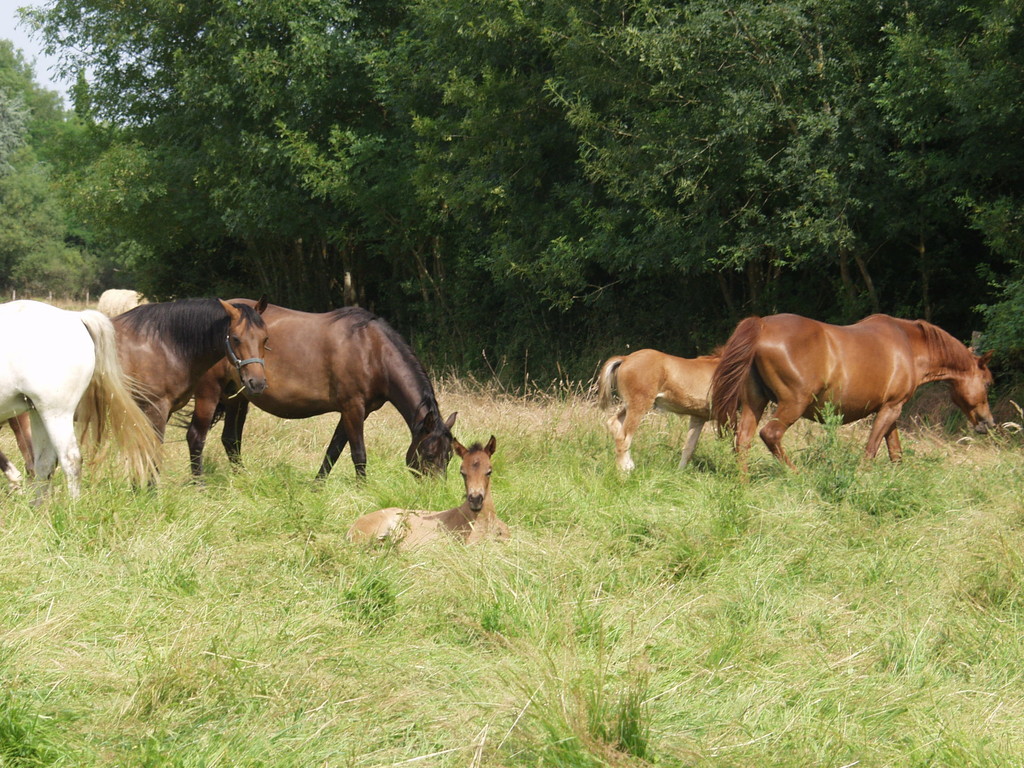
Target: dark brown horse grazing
{"x": 23, "y": 435}
{"x": 873, "y": 366}
{"x": 347, "y": 361}
{"x": 166, "y": 348}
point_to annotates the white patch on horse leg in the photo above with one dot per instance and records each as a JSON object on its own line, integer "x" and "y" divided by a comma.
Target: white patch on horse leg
{"x": 13, "y": 475}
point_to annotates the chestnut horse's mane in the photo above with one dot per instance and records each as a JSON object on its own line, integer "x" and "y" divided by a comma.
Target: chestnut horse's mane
{"x": 946, "y": 348}
{"x": 185, "y": 324}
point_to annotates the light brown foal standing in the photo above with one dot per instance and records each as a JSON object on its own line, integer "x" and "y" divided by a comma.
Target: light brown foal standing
{"x": 475, "y": 519}
{"x": 650, "y": 379}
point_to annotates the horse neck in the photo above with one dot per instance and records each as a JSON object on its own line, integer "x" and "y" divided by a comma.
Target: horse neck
{"x": 943, "y": 357}
{"x": 462, "y": 519}
{"x": 213, "y": 350}
{"x": 406, "y": 391}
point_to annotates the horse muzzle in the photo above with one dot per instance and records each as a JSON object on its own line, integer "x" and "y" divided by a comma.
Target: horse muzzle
{"x": 476, "y": 501}
{"x": 983, "y": 427}
{"x": 254, "y": 385}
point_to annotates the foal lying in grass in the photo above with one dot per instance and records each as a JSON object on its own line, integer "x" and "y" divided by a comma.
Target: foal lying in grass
{"x": 470, "y": 522}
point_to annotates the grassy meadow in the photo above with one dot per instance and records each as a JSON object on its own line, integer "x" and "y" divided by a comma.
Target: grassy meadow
{"x": 840, "y": 616}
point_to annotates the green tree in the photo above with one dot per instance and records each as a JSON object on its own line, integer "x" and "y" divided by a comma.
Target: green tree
{"x": 952, "y": 92}
{"x": 35, "y": 255}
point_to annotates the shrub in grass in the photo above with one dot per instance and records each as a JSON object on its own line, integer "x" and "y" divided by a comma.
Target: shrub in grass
{"x": 369, "y": 588}
{"x": 579, "y": 717}
{"x": 24, "y": 741}
{"x": 830, "y": 460}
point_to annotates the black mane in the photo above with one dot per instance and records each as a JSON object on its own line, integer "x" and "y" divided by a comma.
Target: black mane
{"x": 359, "y": 319}
{"x": 189, "y": 326}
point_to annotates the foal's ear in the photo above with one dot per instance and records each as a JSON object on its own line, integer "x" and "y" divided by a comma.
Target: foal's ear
{"x": 450, "y": 421}
{"x": 459, "y": 448}
{"x": 983, "y": 361}
{"x": 261, "y": 304}
{"x": 491, "y": 445}
{"x": 233, "y": 313}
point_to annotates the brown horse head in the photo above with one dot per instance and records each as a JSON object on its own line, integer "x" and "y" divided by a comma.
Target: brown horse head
{"x": 245, "y": 343}
{"x": 431, "y": 447}
{"x": 969, "y": 392}
{"x": 476, "y": 470}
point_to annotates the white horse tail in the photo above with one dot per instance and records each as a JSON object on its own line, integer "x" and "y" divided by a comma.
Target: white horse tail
{"x": 111, "y": 395}
{"x": 606, "y": 381}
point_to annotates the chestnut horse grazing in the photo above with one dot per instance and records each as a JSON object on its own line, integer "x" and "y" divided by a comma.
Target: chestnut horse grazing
{"x": 347, "y": 361}
{"x": 23, "y": 435}
{"x": 474, "y": 520}
{"x": 61, "y": 367}
{"x": 166, "y": 347}
{"x": 651, "y": 379}
{"x": 808, "y": 367}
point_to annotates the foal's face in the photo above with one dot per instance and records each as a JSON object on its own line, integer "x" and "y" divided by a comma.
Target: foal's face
{"x": 476, "y": 471}
{"x": 970, "y": 394}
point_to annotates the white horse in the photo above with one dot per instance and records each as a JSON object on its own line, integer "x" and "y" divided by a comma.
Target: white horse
{"x": 62, "y": 367}
{"x": 117, "y": 301}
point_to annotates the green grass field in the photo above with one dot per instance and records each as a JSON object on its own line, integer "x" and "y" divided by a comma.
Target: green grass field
{"x": 842, "y": 616}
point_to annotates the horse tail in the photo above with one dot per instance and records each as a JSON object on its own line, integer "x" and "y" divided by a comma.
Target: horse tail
{"x": 606, "y": 381}
{"x": 111, "y": 396}
{"x": 731, "y": 373}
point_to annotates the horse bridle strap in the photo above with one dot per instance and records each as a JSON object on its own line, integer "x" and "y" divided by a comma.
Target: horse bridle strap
{"x": 239, "y": 364}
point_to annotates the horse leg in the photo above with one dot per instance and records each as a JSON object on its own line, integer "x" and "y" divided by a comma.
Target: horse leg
{"x": 692, "y": 436}
{"x": 65, "y": 444}
{"x": 13, "y": 475}
{"x": 23, "y": 434}
{"x": 334, "y": 449}
{"x": 892, "y": 443}
{"x": 623, "y": 426}
{"x": 357, "y": 445}
{"x": 199, "y": 428}
{"x": 773, "y": 432}
{"x": 235, "y": 411}
{"x": 885, "y": 426}
{"x": 48, "y": 434}
{"x": 350, "y": 430}
{"x": 750, "y": 414}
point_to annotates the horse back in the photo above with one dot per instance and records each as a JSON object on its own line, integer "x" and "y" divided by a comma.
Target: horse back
{"x": 377, "y": 526}
{"x": 857, "y": 367}
{"x": 678, "y": 384}
{"x": 318, "y": 361}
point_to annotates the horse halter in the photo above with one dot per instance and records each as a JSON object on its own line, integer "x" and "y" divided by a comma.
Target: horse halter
{"x": 240, "y": 364}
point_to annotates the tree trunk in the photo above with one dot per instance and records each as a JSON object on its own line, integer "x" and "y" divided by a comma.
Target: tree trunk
{"x": 869, "y": 284}
{"x": 926, "y": 302}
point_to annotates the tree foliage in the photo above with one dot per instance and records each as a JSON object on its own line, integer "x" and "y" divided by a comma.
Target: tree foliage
{"x": 550, "y": 180}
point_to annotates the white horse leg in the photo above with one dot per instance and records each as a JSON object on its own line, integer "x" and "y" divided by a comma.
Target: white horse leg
{"x": 58, "y": 443}
{"x": 44, "y": 456}
{"x": 692, "y": 436}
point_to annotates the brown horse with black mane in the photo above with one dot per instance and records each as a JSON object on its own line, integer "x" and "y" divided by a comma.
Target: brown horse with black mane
{"x": 347, "y": 361}
{"x": 166, "y": 347}
{"x": 871, "y": 367}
